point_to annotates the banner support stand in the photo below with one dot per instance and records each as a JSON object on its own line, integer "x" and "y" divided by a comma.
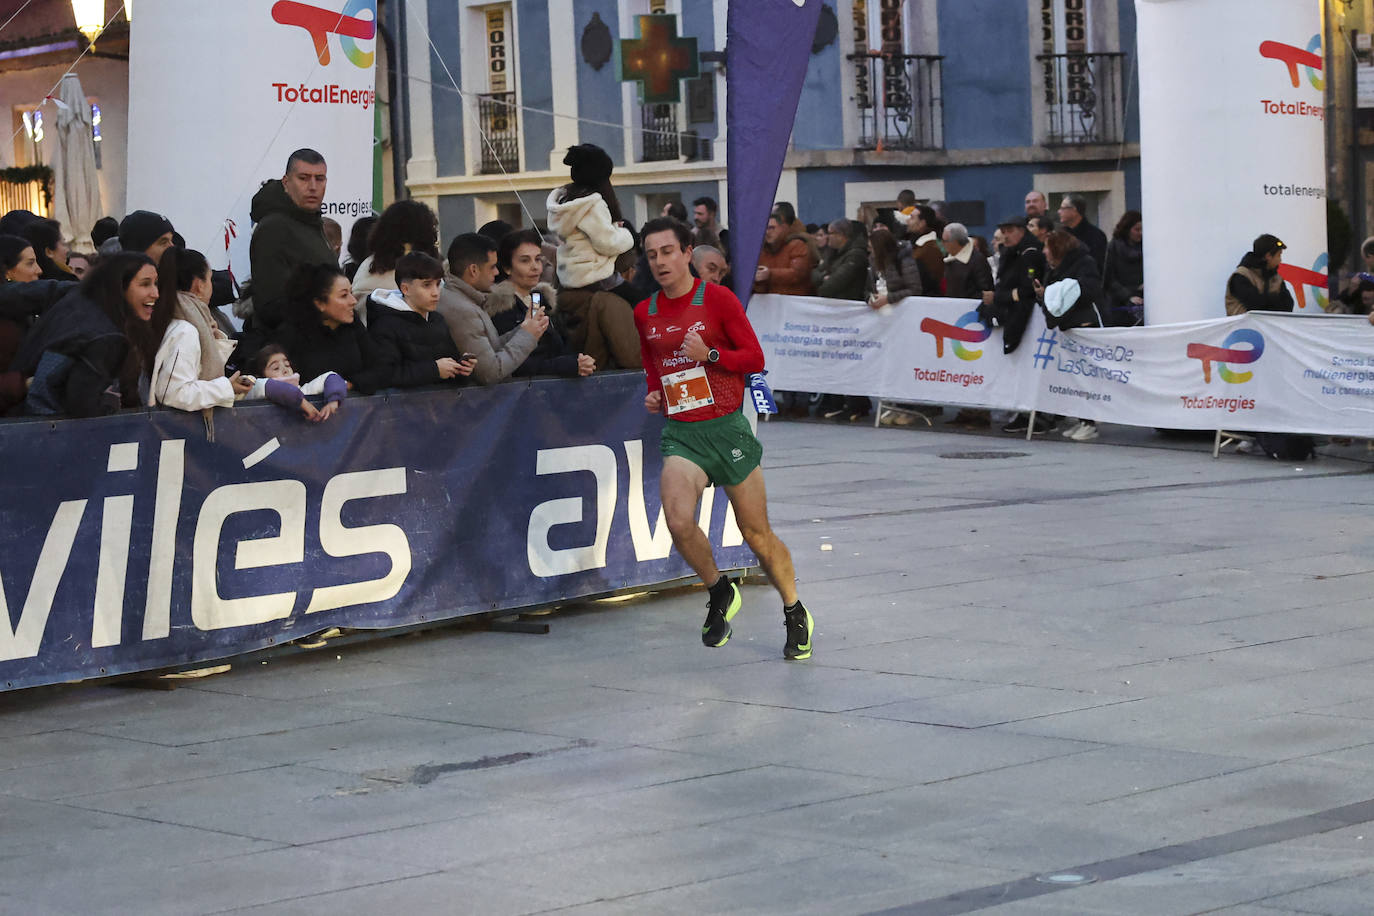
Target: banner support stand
{"x": 1030, "y": 425}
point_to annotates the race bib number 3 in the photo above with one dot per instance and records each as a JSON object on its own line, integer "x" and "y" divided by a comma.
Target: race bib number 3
{"x": 687, "y": 390}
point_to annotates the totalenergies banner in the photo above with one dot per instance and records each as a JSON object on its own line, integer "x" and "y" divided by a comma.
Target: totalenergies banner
{"x": 220, "y": 94}
{"x": 1233, "y": 145}
{"x": 1262, "y": 371}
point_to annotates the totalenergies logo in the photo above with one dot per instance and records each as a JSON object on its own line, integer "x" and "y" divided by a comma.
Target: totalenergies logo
{"x": 958, "y": 333}
{"x": 1293, "y": 57}
{"x": 1228, "y": 353}
{"x": 1301, "y": 278}
{"x": 320, "y": 23}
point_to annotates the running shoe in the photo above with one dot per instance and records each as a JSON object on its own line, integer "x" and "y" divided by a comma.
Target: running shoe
{"x": 720, "y": 610}
{"x": 1071, "y": 429}
{"x": 1085, "y": 432}
{"x": 799, "y": 625}
{"x": 1018, "y": 424}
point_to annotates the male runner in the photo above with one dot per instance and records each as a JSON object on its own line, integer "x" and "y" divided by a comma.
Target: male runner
{"x": 698, "y": 347}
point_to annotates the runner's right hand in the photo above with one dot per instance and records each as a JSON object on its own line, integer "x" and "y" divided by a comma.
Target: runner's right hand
{"x": 653, "y": 401}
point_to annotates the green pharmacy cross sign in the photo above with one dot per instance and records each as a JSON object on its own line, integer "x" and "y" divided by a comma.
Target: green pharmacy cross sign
{"x": 659, "y": 59}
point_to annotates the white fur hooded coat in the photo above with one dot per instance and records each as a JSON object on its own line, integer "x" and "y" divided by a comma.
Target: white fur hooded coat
{"x": 590, "y": 241}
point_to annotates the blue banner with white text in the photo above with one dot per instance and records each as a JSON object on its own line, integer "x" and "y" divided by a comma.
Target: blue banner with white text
{"x": 133, "y": 542}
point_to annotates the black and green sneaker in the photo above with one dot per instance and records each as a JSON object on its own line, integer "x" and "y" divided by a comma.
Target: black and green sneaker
{"x": 799, "y": 625}
{"x": 722, "y": 607}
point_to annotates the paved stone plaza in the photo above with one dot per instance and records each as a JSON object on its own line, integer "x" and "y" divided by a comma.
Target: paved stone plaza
{"x": 1120, "y": 659}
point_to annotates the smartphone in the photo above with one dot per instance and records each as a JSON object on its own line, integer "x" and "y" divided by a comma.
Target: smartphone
{"x": 466, "y": 357}
{"x": 538, "y": 299}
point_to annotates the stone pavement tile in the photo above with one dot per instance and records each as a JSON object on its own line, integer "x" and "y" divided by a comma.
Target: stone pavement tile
{"x": 446, "y": 892}
{"x": 1327, "y": 564}
{"x": 891, "y": 750}
{"x": 990, "y": 706}
{"x": 1361, "y": 757}
{"x": 1233, "y": 801}
{"x": 442, "y": 690}
{"x": 793, "y": 686}
{"x": 1190, "y": 674}
{"x": 311, "y": 674}
{"x": 848, "y": 882}
{"x": 43, "y": 748}
{"x": 968, "y": 659}
{"x": 1146, "y": 640}
{"x": 80, "y": 707}
{"x": 147, "y": 886}
{"x": 1098, "y": 775}
{"x": 204, "y": 716}
{"x": 635, "y": 865}
{"x": 127, "y": 765}
{"x": 1290, "y": 623}
{"x": 293, "y": 804}
{"x": 363, "y": 744}
{"x": 43, "y": 838}
{"x": 1281, "y": 737}
{"x": 1258, "y": 877}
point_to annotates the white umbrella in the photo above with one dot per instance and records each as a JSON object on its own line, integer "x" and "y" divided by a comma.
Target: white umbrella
{"x": 76, "y": 185}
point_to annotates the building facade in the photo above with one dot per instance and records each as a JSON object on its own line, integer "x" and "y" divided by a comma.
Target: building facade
{"x": 969, "y": 103}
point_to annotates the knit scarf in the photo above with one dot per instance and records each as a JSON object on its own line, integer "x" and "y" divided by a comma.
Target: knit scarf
{"x": 215, "y": 346}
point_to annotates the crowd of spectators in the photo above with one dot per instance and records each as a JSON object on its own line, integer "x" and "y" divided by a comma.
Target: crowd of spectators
{"x": 143, "y": 320}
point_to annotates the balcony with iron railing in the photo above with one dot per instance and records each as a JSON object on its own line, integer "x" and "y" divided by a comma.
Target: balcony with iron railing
{"x": 500, "y": 146}
{"x": 900, "y": 101}
{"x": 659, "y": 133}
{"x": 1084, "y": 102}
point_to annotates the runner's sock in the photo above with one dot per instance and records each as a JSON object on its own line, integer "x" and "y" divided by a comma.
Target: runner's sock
{"x": 721, "y": 589}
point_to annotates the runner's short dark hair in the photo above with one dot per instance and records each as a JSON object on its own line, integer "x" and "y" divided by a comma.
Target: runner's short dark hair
{"x": 667, "y": 224}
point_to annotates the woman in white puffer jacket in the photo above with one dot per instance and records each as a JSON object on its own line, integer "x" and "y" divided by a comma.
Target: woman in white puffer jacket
{"x": 586, "y": 216}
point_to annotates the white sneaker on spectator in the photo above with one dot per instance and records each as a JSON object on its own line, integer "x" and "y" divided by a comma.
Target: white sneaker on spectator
{"x": 1071, "y": 429}
{"x": 1085, "y": 432}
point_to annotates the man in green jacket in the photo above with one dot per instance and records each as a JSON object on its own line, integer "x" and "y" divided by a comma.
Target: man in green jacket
{"x": 289, "y": 231}
{"x": 845, "y": 276}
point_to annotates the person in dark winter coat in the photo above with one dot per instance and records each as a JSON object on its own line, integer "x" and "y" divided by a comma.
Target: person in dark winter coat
{"x": 50, "y": 248}
{"x": 925, "y": 230}
{"x": 1010, "y": 303}
{"x": 289, "y": 232}
{"x": 1073, "y": 214}
{"x": 1256, "y": 285}
{"x": 1067, "y": 259}
{"x": 411, "y": 337}
{"x": 462, "y": 303}
{"x": 967, "y": 272}
{"x": 323, "y": 335}
{"x": 1124, "y": 278}
{"x": 787, "y": 259}
{"x": 90, "y": 353}
{"x": 146, "y": 232}
{"x": 848, "y": 269}
{"x": 23, "y": 297}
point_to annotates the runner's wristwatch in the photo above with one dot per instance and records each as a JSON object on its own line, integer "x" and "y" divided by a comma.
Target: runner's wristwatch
{"x": 713, "y": 355}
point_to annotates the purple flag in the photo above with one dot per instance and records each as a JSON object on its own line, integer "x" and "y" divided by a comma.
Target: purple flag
{"x": 767, "y": 44}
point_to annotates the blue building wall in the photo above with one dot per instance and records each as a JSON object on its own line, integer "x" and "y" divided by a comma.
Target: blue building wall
{"x": 699, "y": 22}
{"x": 986, "y": 79}
{"x": 445, "y": 107}
{"x": 820, "y": 113}
{"x": 536, "y": 81}
{"x": 598, "y": 91}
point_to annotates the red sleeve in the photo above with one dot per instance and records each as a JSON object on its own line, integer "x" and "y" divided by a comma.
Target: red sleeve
{"x": 646, "y": 358}
{"x": 742, "y": 352}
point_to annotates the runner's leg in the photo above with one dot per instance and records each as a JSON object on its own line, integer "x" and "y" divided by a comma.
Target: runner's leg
{"x": 750, "y": 499}
{"x": 680, "y": 486}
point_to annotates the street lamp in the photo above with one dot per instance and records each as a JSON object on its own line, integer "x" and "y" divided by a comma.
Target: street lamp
{"x": 90, "y": 18}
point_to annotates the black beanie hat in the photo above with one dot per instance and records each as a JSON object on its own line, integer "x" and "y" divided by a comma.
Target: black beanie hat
{"x": 1267, "y": 244}
{"x": 590, "y": 165}
{"x": 141, "y": 228}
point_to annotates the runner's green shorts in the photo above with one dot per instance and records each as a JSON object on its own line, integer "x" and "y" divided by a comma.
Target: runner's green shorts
{"x": 725, "y": 448}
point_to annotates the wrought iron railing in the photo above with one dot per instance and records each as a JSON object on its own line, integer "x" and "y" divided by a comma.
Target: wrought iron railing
{"x": 900, "y": 101}
{"x": 501, "y": 131}
{"x": 659, "y": 133}
{"x": 1084, "y": 101}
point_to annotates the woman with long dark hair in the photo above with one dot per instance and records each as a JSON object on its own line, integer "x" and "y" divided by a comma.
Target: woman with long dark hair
{"x": 50, "y": 248}
{"x": 188, "y": 370}
{"x": 520, "y": 255}
{"x": 405, "y": 226}
{"x": 894, "y": 265}
{"x": 1124, "y": 277}
{"x": 92, "y": 353}
{"x": 23, "y": 297}
{"x": 324, "y": 334}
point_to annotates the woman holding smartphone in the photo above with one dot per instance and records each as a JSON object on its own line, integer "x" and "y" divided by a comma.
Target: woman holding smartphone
{"x": 520, "y": 255}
